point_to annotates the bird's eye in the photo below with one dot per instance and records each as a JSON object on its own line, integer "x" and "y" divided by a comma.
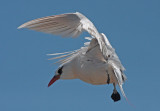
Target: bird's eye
{"x": 60, "y": 70}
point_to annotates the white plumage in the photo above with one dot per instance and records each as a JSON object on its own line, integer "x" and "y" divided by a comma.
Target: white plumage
{"x": 95, "y": 63}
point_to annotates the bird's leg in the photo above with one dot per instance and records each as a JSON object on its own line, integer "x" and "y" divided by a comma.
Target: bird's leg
{"x": 108, "y": 78}
{"x": 115, "y": 95}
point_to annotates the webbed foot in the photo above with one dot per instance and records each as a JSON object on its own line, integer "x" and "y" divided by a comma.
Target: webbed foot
{"x": 115, "y": 96}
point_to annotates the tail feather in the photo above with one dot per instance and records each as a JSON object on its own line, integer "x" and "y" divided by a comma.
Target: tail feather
{"x": 118, "y": 75}
{"x": 120, "y": 81}
{"x": 122, "y": 91}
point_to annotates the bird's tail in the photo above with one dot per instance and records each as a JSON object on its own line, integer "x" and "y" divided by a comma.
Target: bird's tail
{"x": 119, "y": 77}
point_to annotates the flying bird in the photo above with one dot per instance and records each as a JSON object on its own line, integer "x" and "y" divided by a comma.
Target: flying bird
{"x": 96, "y": 62}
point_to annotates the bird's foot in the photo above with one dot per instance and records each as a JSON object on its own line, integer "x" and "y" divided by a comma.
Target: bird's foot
{"x": 108, "y": 79}
{"x": 115, "y": 96}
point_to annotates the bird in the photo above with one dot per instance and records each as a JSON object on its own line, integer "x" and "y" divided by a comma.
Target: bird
{"x": 95, "y": 63}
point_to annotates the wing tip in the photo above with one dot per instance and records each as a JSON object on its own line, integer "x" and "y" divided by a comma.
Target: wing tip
{"x": 22, "y": 26}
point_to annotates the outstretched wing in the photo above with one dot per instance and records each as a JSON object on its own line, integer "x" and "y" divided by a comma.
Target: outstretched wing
{"x": 70, "y": 24}
{"x": 65, "y": 25}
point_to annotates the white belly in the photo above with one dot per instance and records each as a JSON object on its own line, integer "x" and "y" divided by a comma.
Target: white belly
{"x": 93, "y": 72}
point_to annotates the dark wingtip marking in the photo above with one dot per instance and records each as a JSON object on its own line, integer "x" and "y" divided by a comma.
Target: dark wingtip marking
{"x": 56, "y": 77}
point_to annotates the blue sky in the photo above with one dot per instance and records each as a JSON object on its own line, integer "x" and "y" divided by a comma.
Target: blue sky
{"x": 133, "y": 28}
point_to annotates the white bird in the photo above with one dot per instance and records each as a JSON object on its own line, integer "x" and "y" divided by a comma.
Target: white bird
{"x": 95, "y": 63}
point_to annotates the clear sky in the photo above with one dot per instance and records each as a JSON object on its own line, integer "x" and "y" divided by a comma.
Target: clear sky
{"x": 133, "y": 28}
